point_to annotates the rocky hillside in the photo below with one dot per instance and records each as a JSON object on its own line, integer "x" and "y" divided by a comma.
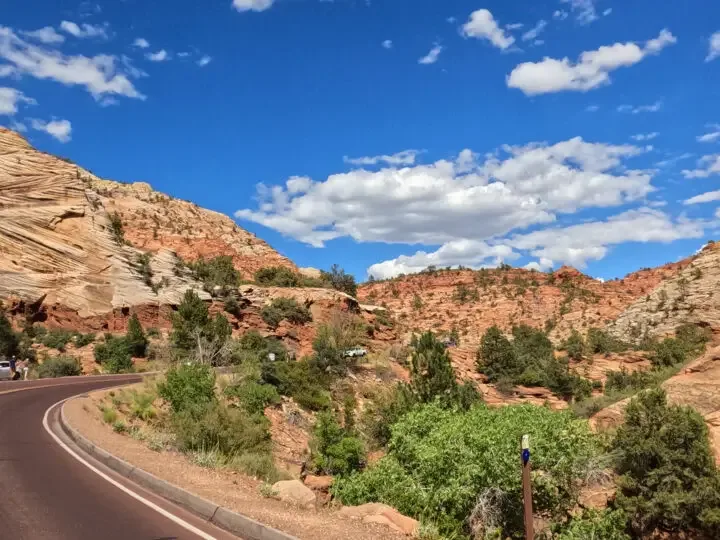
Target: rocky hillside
{"x": 689, "y": 296}
{"x": 472, "y": 301}
{"x": 60, "y": 242}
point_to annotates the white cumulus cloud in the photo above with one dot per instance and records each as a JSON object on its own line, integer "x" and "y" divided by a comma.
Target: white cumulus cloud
{"x": 482, "y": 25}
{"x": 388, "y": 44}
{"x": 59, "y": 129}
{"x": 100, "y": 74}
{"x": 159, "y": 56}
{"x": 432, "y": 56}
{"x": 433, "y": 204}
{"x": 590, "y": 71}
{"x": 707, "y": 166}
{"x": 10, "y": 98}
{"x": 45, "y": 35}
{"x": 204, "y": 61}
{"x": 584, "y": 10}
{"x": 406, "y": 157}
{"x": 141, "y": 43}
{"x": 84, "y": 30}
{"x": 252, "y": 5}
{"x": 714, "y": 46}
{"x": 710, "y": 196}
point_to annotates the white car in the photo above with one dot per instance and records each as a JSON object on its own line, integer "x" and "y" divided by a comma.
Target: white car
{"x": 5, "y": 373}
{"x": 356, "y": 351}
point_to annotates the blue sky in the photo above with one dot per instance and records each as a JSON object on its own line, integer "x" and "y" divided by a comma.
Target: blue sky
{"x": 390, "y": 135}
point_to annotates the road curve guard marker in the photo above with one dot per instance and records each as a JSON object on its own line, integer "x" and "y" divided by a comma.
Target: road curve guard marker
{"x": 217, "y": 515}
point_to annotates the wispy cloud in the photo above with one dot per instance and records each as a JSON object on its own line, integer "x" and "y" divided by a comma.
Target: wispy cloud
{"x": 432, "y": 56}
{"x": 159, "y": 56}
{"x": 653, "y": 107}
{"x": 84, "y": 30}
{"x": 59, "y": 129}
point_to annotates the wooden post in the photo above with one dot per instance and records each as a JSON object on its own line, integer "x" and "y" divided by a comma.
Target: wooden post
{"x": 527, "y": 488}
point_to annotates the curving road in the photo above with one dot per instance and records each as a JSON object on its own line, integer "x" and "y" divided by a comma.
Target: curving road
{"x": 45, "y": 493}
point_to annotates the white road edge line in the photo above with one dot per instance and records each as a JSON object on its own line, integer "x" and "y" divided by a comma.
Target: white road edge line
{"x": 184, "y": 524}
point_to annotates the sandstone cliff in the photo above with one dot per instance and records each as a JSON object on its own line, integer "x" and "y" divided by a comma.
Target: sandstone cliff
{"x": 58, "y": 245}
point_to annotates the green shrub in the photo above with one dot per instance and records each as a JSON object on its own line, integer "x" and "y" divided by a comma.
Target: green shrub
{"x": 218, "y": 272}
{"x": 187, "y": 386}
{"x": 136, "y": 340}
{"x": 116, "y": 228}
{"x": 574, "y": 345}
{"x": 232, "y": 306}
{"x": 210, "y": 425}
{"x": 60, "y": 366}
{"x": 620, "y": 381}
{"x": 285, "y": 309}
{"x": 334, "y": 450}
{"x": 83, "y": 340}
{"x": 496, "y": 356}
{"x": 109, "y": 415}
{"x": 56, "y": 339}
{"x": 693, "y": 337}
{"x": 9, "y": 341}
{"x": 142, "y": 266}
{"x": 114, "y": 355}
{"x": 299, "y": 380}
{"x": 594, "y": 524}
{"x": 383, "y": 411}
{"x": 600, "y": 342}
{"x": 668, "y": 352}
{"x": 192, "y": 314}
{"x": 439, "y": 461}
{"x": 669, "y": 479}
{"x": 277, "y": 276}
{"x": 253, "y": 396}
{"x": 257, "y": 464}
{"x": 142, "y": 405}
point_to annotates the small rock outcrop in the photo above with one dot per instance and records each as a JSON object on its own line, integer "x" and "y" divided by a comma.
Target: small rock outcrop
{"x": 382, "y": 514}
{"x": 294, "y": 492}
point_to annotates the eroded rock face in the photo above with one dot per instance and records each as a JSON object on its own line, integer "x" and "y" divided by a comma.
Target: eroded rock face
{"x": 690, "y": 296}
{"x": 57, "y": 242}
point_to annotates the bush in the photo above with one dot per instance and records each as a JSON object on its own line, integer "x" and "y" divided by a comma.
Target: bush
{"x": 135, "y": 338}
{"x": 114, "y": 355}
{"x": 277, "y": 276}
{"x": 253, "y": 396}
{"x": 668, "y": 352}
{"x": 188, "y": 386}
{"x": 210, "y": 425}
{"x": 693, "y": 337}
{"x": 601, "y": 525}
{"x": 334, "y": 450}
{"x": 285, "y": 309}
{"x": 83, "y": 340}
{"x": 299, "y": 380}
{"x": 342, "y": 332}
{"x": 56, "y": 339}
{"x": 600, "y": 342}
{"x": 669, "y": 480}
{"x": 60, "y": 366}
{"x": 192, "y": 314}
{"x": 218, "y": 272}
{"x": 116, "y": 228}
{"x": 620, "y": 381}
{"x": 339, "y": 280}
{"x": 574, "y": 345}
{"x": 142, "y": 266}
{"x": 9, "y": 341}
{"x": 496, "y": 357}
{"x": 439, "y": 461}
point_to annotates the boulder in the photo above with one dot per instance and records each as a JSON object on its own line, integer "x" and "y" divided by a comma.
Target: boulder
{"x": 294, "y": 492}
{"x": 382, "y": 514}
{"x": 318, "y": 483}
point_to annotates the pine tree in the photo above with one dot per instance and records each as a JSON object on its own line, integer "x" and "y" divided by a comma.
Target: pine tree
{"x": 496, "y": 357}
{"x": 136, "y": 339}
{"x": 191, "y": 315}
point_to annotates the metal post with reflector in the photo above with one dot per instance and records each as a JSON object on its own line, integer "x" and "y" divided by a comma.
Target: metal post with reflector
{"x": 527, "y": 488}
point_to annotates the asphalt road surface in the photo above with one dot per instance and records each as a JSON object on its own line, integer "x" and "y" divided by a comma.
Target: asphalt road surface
{"x": 45, "y": 493}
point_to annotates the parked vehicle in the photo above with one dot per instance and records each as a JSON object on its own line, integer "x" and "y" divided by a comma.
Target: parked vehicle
{"x": 5, "y": 372}
{"x": 356, "y": 352}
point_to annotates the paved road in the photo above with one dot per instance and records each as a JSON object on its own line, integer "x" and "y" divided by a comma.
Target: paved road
{"x": 47, "y": 494}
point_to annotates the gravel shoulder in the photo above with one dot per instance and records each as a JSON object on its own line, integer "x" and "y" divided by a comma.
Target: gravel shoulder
{"x": 227, "y": 488}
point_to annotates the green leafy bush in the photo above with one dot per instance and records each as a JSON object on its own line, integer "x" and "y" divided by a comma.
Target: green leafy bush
{"x": 253, "y": 396}
{"x": 136, "y": 340}
{"x": 116, "y": 228}
{"x": 619, "y": 381}
{"x": 600, "y": 342}
{"x": 60, "y": 366}
{"x": 83, "y": 340}
{"x": 669, "y": 479}
{"x": 285, "y": 309}
{"x": 114, "y": 355}
{"x": 277, "y": 276}
{"x": 210, "y": 425}
{"x": 439, "y": 461}
{"x": 496, "y": 357}
{"x": 595, "y": 524}
{"x": 192, "y": 314}
{"x": 299, "y": 380}
{"x": 218, "y": 272}
{"x": 693, "y": 337}
{"x": 574, "y": 345}
{"x": 56, "y": 339}
{"x": 668, "y": 352}
{"x": 335, "y": 450}
{"x": 187, "y": 386}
